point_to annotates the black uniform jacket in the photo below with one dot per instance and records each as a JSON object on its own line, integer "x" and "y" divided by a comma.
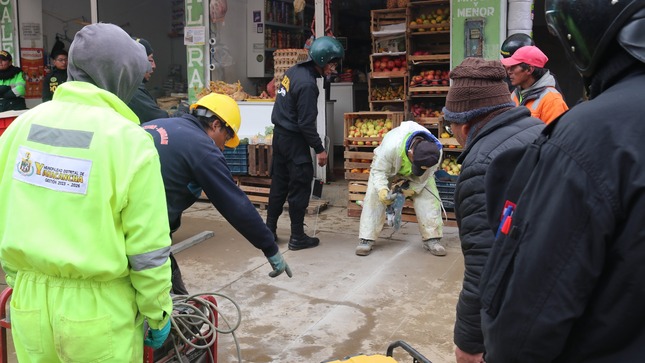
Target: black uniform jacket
{"x": 295, "y": 108}
{"x": 570, "y": 285}
{"x": 190, "y": 163}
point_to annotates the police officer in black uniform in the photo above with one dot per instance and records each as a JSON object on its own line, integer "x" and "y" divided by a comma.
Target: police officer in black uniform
{"x": 294, "y": 116}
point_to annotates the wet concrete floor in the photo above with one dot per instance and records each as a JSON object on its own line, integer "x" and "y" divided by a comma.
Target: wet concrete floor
{"x": 337, "y": 304}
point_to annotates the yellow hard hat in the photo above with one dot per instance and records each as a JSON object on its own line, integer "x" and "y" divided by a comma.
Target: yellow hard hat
{"x": 226, "y": 109}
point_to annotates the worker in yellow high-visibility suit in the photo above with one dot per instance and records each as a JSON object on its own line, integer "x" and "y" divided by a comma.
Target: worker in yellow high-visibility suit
{"x": 84, "y": 236}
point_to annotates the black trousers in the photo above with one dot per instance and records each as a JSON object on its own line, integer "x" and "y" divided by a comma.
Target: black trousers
{"x": 291, "y": 174}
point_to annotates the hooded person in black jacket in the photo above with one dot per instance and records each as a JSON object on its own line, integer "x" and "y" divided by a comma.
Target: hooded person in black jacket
{"x": 569, "y": 281}
{"x": 143, "y": 104}
{"x": 295, "y": 132}
{"x": 485, "y": 122}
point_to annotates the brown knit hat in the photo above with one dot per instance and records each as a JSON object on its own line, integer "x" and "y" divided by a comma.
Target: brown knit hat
{"x": 477, "y": 88}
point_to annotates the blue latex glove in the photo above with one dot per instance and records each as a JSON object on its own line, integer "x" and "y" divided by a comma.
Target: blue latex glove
{"x": 156, "y": 337}
{"x": 279, "y": 265}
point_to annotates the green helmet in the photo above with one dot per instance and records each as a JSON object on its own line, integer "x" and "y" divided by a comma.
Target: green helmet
{"x": 325, "y": 49}
{"x": 515, "y": 42}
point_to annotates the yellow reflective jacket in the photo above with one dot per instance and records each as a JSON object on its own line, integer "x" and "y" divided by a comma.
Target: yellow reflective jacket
{"x": 83, "y": 198}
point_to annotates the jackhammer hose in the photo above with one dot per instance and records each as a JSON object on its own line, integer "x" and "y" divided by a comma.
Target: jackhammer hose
{"x": 192, "y": 313}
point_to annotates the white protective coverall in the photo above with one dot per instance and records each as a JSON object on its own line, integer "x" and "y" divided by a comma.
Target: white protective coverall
{"x": 390, "y": 163}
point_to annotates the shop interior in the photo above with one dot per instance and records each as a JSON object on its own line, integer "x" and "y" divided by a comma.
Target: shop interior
{"x": 163, "y": 24}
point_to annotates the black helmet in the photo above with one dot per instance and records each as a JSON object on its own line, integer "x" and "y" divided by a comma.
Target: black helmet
{"x": 324, "y": 49}
{"x": 587, "y": 27}
{"x": 515, "y": 42}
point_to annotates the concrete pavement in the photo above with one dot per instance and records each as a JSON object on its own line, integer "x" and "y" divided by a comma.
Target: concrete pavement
{"x": 337, "y": 304}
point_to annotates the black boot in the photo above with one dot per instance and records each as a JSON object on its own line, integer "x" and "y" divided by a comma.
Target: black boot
{"x": 273, "y": 226}
{"x": 303, "y": 241}
{"x": 178, "y": 287}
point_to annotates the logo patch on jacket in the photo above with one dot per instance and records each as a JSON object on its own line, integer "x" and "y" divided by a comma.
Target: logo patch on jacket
{"x": 285, "y": 83}
{"x": 52, "y": 171}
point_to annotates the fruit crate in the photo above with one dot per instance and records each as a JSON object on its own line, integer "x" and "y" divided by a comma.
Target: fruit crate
{"x": 237, "y": 159}
{"x": 388, "y": 65}
{"x": 357, "y": 164}
{"x": 429, "y": 17}
{"x": 387, "y": 90}
{"x": 353, "y": 120}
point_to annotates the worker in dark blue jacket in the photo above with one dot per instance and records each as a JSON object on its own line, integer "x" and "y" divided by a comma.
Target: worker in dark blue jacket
{"x": 190, "y": 150}
{"x": 295, "y": 132}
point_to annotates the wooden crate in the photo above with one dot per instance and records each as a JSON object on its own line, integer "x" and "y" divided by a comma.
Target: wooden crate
{"x": 360, "y": 160}
{"x": 256, "y": 189}
{"x": 260, "y": 157}
{"x": 380, "y": 58}
{"x": 381, "y": 18}
{"x": 350, "y": 117}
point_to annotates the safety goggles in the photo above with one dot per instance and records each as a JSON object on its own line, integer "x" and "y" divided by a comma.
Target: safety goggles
{"x": 229, "y": 131}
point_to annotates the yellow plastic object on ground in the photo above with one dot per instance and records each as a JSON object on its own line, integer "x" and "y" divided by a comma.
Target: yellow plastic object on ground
{"x": 367, "y": 359}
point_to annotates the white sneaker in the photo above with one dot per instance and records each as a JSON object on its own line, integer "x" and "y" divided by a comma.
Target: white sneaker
{"x": 434, "y": 247}
{"x": 364, "y": 247}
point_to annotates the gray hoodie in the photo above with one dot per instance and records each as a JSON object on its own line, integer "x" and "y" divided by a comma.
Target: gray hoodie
{"x": 106, "y": 56}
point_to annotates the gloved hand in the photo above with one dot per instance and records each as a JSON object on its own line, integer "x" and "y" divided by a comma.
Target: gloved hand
{"x": 4, "y": 89}
{"x": 156, "y": 337}
{"x": 279, "y": 265}
{"x": 409, "y": 192}
{"x": 383, "y": 196}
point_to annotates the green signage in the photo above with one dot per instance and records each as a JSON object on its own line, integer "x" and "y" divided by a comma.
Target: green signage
{"x": 6, "y": 28}
{"x": 195, "y": 52}
{"x": 475, "y": 29}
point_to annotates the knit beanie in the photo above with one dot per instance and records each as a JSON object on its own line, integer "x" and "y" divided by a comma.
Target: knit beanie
{"x": 478, "y": 88}
{"x": 146, "y": 44}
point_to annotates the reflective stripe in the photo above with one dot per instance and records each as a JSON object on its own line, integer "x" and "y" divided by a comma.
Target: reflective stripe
{"x": 146, "y": 261}
{"x": 548, "y": 90}
{"x": 59, "y": 137}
